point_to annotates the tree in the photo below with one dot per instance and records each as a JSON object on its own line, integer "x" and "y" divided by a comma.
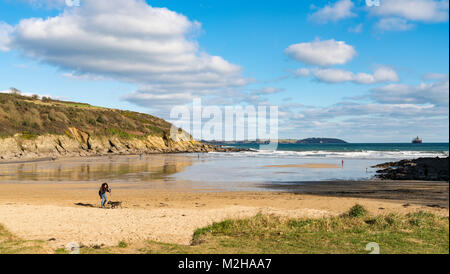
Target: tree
{"x": 15, "y": 91}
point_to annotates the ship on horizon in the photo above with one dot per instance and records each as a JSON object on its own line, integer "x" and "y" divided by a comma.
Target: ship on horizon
{"x": 417, "y": 140}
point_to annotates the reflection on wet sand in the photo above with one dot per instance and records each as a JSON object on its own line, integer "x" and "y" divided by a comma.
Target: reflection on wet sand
{"x": 113, "y": 168}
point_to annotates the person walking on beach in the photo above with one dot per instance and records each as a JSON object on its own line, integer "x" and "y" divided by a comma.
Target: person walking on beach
{"x": 342, "y": 163}
{"x": 102, "y": 193}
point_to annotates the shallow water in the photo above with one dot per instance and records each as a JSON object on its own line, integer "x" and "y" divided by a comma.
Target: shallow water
{"x": 112, "y": 169}
{"x": 213, "y": 171}
{"x": 219, "y": 171}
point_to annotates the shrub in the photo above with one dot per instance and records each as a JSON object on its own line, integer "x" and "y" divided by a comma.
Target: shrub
{"x": 357, "y": 211}
{"x": 100, "y": 120}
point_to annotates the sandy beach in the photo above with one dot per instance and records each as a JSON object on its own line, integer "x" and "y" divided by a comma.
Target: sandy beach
{"x": 49, "y": 211}
{"x": 37, "y": 203}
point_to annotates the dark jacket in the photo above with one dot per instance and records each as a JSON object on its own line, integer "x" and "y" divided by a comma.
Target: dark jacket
{"x": 103, "y": 189}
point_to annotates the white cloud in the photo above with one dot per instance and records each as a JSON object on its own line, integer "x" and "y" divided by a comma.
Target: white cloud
{"x": 268, "y": 90}
{"x": 147, "y": 97}
{"x": 341, "y": 9}
{"x": 301, "y": 72}
{"x": 426, "y": 93}
{"x": 5, "y": 31}
{"x": 45, "y": 3}
{"x": 393, "y": 24}
{"x": 322, "y": 53}
{"x": 333, "y": 75}
{"x": 129, "y": 41}
{"x": 381, "y": 74}
{"x": 415, "y": 10}
{"x": 356, "y": 29}
{"x": 398, "y": 121}
{"x": 435, "y": 76}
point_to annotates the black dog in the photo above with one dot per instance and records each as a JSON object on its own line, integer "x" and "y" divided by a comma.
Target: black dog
{"x": 115, "y": 204}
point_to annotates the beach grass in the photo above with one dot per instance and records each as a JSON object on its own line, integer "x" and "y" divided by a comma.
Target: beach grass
{"x": 350, "y": 233}
{"x": 10, "y": 244}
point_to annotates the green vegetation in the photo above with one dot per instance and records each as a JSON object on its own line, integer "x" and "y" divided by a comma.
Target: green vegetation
{"x": 32, "y": 117}
{"x": 419, "y": 232}
{"x": 10, "y": 244}
{"x": 357, "y": 211}
{"x": 414, "y": 233}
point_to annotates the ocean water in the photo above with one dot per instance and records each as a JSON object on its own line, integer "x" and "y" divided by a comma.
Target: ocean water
{"x": 237, "y": 171}
{"x": 355, "y": 150}
{"x": 243, "y": 170}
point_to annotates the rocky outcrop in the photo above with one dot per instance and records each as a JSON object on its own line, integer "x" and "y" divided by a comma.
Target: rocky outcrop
{"x": 79, "y": 143}
{"x": 426, "y": 169}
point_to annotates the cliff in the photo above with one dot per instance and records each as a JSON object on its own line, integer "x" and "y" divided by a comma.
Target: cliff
{"x": 34, "y": 128}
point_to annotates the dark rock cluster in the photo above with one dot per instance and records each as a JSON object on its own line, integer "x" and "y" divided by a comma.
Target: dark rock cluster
{"x": 427, "y": 169}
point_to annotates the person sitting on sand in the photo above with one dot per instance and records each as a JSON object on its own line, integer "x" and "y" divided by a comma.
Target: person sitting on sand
{"x": 102, "y": 193}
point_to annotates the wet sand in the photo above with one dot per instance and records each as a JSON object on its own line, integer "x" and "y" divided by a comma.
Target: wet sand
{"x": 427, "y": 193}
{"x": 308, "y": 166}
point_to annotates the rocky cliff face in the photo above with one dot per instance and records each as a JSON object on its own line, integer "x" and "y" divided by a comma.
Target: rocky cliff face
{"x": 79, "y": 143}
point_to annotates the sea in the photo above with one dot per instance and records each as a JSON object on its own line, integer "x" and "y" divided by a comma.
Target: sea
{"x": 252, "y": 170}
{"x": 355, "y": 162}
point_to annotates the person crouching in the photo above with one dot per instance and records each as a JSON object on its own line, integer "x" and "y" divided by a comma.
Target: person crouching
{"x": 102, "y": 193}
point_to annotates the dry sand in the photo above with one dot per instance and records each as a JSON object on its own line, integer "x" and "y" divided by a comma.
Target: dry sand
{"x": 45, "y": 211}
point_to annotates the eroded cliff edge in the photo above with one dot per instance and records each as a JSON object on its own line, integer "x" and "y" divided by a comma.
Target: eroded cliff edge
{"x": 35, "y": 128}
{"x": 79, "y": 143}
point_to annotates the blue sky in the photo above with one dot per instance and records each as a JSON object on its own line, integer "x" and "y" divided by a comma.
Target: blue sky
{"x": 334, "y": 68}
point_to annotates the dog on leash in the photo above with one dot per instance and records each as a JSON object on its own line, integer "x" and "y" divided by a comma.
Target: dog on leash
{"x": 115, "y": 204}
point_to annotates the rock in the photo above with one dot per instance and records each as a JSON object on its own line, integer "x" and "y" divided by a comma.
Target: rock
{"x": 79, "y": 143}
{"x": 427, "y": 169}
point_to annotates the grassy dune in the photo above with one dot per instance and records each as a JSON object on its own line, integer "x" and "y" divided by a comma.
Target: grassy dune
{"x": 32, "y": 117}
{"x": 419, "y": 232}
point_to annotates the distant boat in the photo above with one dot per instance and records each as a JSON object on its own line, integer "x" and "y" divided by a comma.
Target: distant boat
{"x": 417, "y": 140}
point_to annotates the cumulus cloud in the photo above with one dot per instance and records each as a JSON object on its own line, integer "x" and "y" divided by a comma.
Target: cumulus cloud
{"x": 5, "y": 32}
{"x": 398, "y": 121}
{"x": 129, "y": 41}
{"x": 322, "y": 53}
{"x": 380, "y": 75}
{"x": 45, "y": 3}
{"x": 341, "y": 9}
{"x": 415, "y": 10}
{"x": 333, "y": 75}
{"x": 435, "y": 93}
{"x": 393, "y": 24}
{"x": 400, "y": 110}
{"x": 147, "y": 96}
{"x": 302, "y": 72}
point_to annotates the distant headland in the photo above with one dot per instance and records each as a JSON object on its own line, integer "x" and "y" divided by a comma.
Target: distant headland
{"x": 284, "y": 141}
